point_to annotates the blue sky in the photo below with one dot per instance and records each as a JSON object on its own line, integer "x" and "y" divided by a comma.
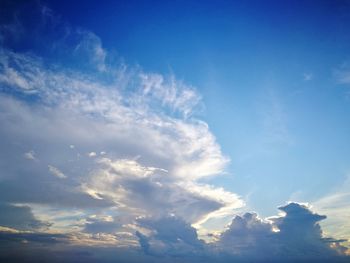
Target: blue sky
{"x": 139, "y": 116}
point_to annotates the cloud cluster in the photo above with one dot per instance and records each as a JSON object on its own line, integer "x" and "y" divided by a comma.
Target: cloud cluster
{"x": 294, "y": 236}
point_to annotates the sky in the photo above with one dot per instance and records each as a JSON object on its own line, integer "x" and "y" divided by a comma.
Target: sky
{"x": 175, "y": 131}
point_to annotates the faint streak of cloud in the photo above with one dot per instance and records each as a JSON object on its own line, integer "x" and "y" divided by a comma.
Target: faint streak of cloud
{"x": 56, "y": 172}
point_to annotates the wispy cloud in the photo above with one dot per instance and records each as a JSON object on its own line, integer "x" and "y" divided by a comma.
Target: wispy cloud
{"x": 275, "y": 120}
{"x": 336, "y": 205}
{"x": 342, "y": 75}
{"x": 56, "y": 172}
{"x": 308, "y": 76}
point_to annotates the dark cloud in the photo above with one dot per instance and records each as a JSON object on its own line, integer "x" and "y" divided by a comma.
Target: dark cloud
{"x": 300, "y": 234}
{"x": 170, "y": 239}
{"x": 170, "y": 236}
{"x": 23, "y": 237}
{"x": 19, "y": 217}
{"x": 248, "y": 235}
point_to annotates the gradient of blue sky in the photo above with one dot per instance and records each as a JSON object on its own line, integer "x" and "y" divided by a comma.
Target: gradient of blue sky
{"x": 266, "y": 71}
{"x": 271, "y": 79}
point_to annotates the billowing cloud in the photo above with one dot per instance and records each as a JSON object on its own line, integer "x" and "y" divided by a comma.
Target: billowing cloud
{"x": 295, "y": 236}
{"x": 247, "y": 234}
{"x": 169, "y": 236}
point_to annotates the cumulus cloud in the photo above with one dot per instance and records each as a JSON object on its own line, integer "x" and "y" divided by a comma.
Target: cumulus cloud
{"x": 247, "y": 234}
{"x": 169, "y": 236}
{"x": 294, "y": 236}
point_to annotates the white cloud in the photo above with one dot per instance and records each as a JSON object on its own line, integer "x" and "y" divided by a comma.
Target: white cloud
{"x": 56, "y": 172}
{"x": 30, "y": 155}
{"x": 91, "y": 154}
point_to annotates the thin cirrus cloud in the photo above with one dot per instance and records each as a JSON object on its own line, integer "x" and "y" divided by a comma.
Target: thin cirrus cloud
{"x": 144, "y": 194}
{"x": 336, "y": 205}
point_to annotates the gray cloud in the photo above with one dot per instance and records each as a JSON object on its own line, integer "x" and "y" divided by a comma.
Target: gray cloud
{"x": 170, "y": 236}
{"x": 19, "y": 217}
{"x": 248, "y": 235}
{"x": 296, "y": 235}
{"x": 23, "y": 237}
